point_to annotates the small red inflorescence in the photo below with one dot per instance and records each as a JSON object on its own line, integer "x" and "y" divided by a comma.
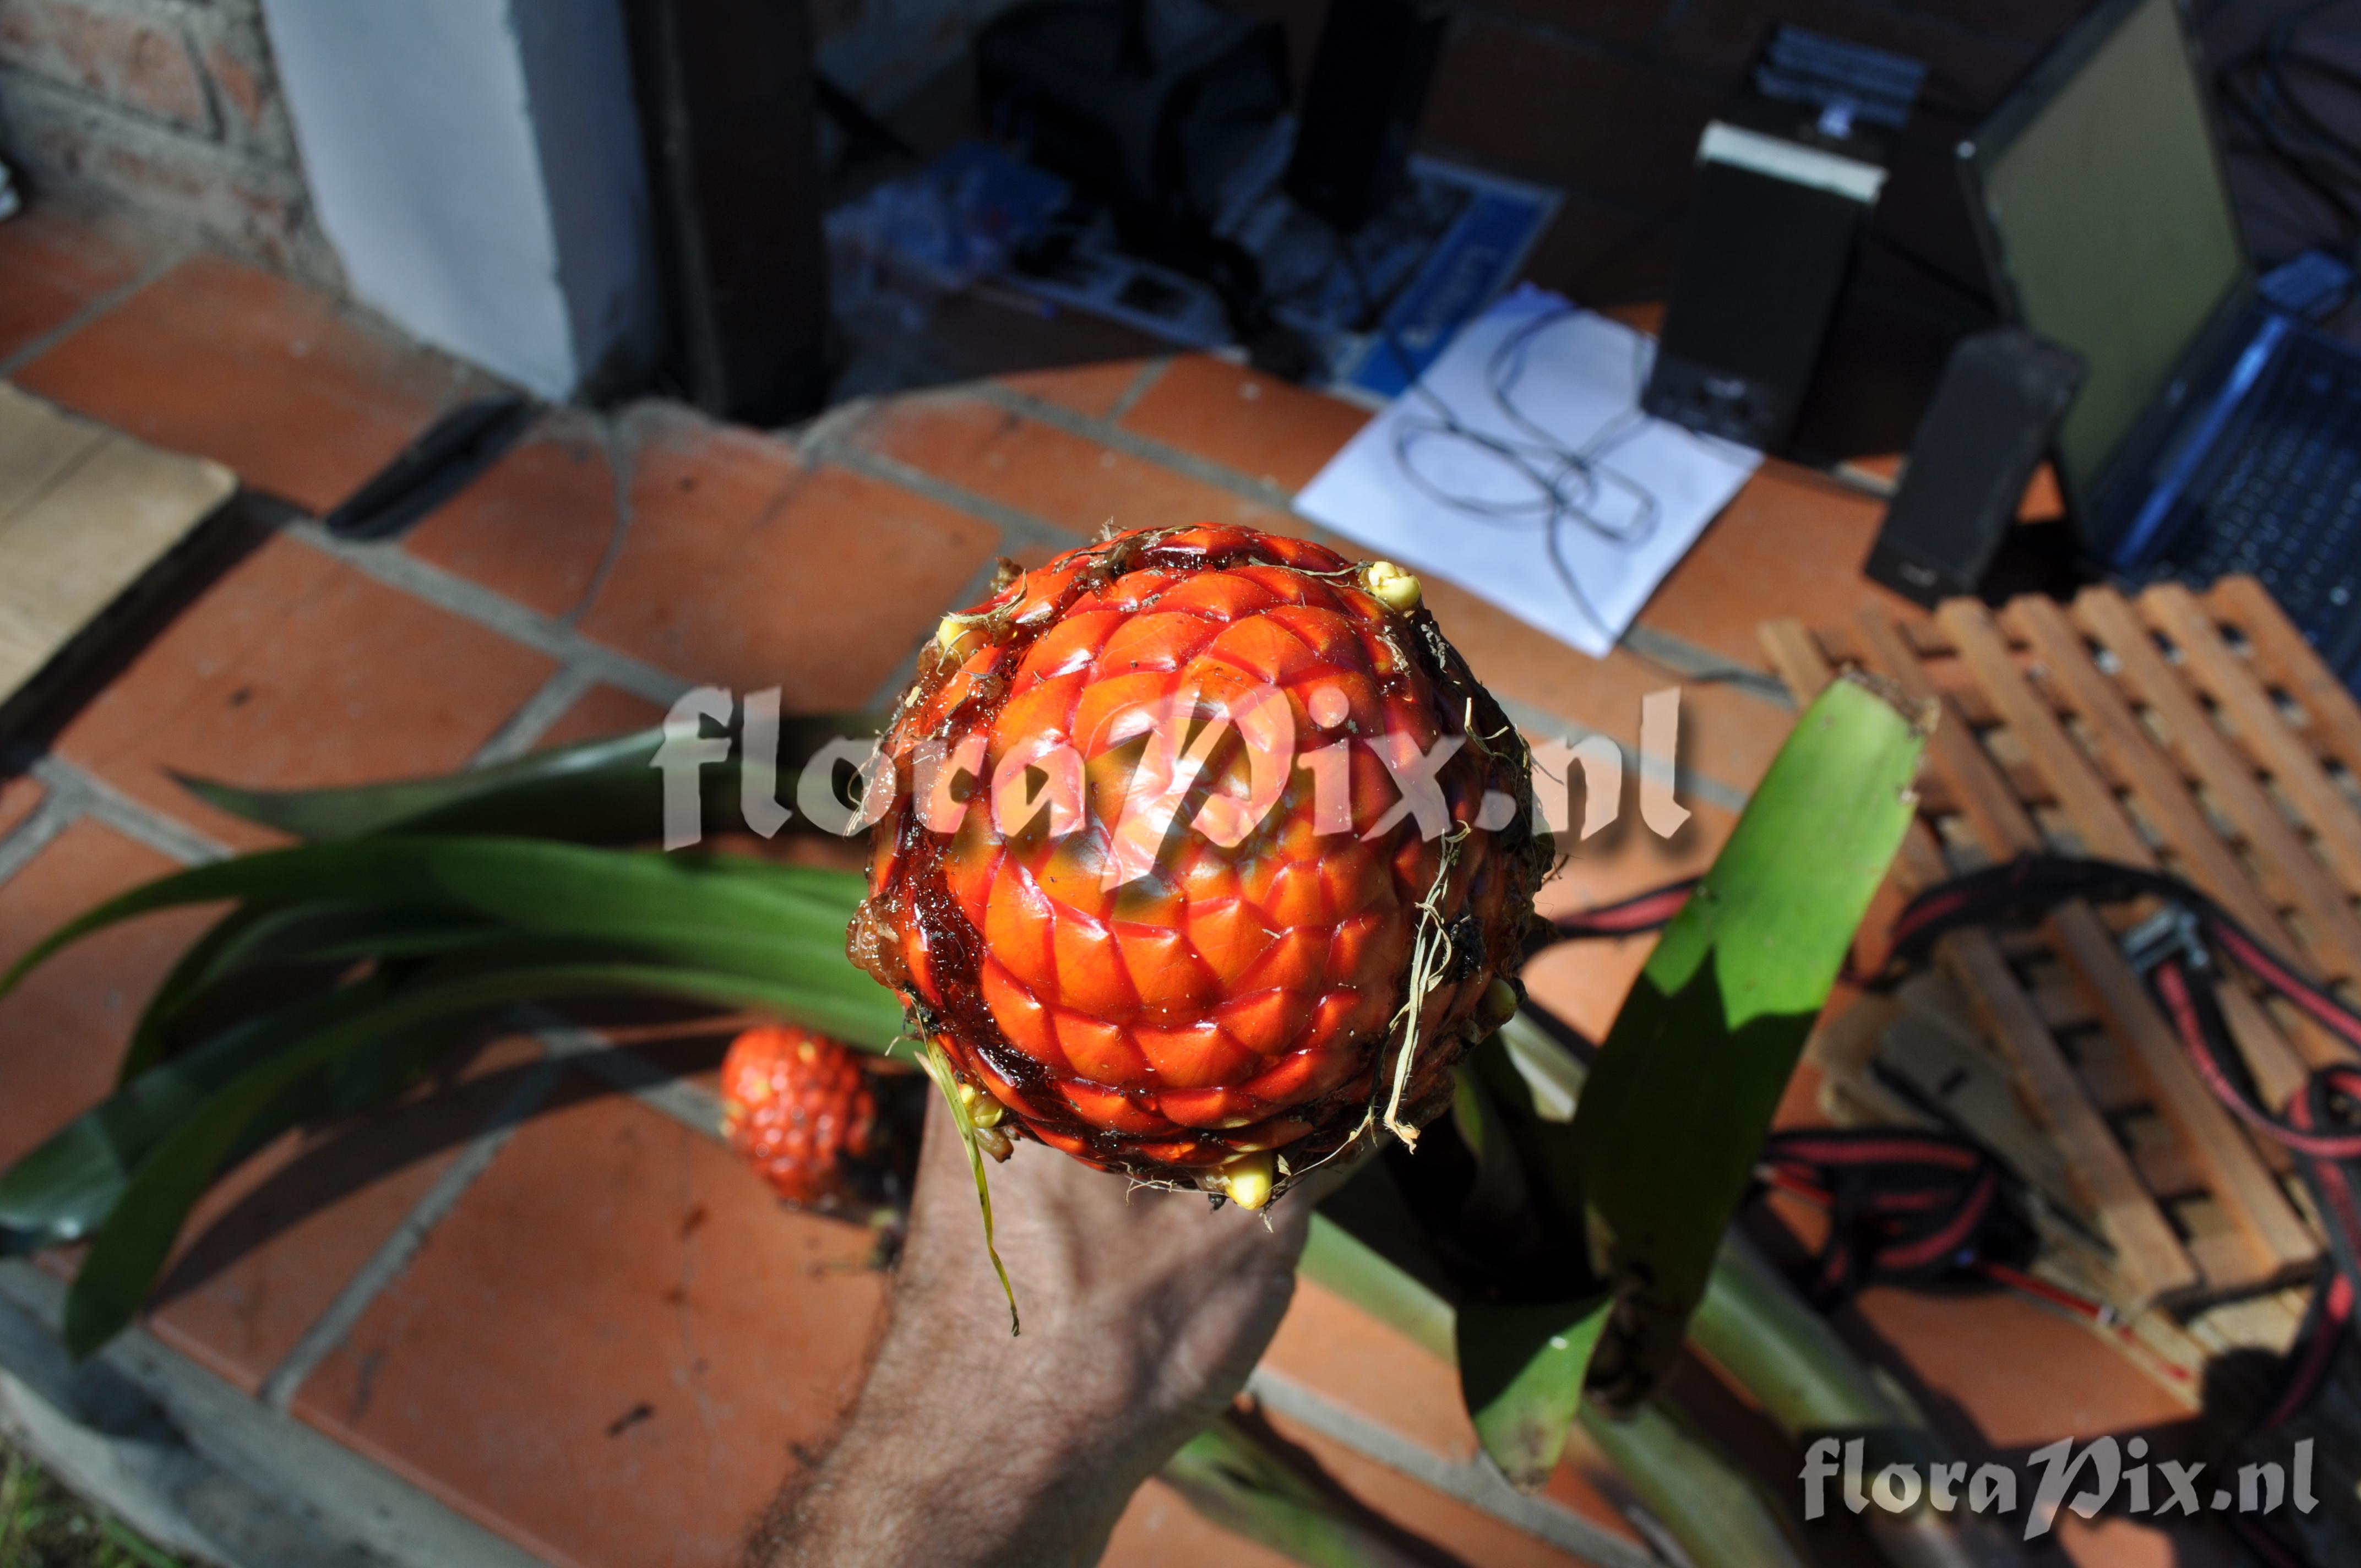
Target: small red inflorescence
{"x": 796, "y": 1105}
{"x": 1208, "y": 855}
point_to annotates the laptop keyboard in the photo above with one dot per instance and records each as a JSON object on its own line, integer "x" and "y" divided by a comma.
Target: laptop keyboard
{"x": 2280, "y": 499}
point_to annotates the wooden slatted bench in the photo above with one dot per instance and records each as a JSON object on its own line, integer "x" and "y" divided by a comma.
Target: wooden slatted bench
{"x": 2197, "y": 734}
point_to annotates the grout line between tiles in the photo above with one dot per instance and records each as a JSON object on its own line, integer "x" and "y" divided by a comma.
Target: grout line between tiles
{"x": 162, "y": 1441}
{"x": 471, "y": 602}
{"x": 897, "y": 681}
{"x": 387, "y": 1264}
{"x": 1141, "y": 385}
{"x": 1473, "y": 1483}
{"x": 622, "y": 459}
{"x": 87, "y": 794}
{"x": 1204, "y": 470}
{"x": 94, "y": 309}
{"x": 520, "y": 730}
{"x": 1016, "y": 527}
{"x": 34, "y": 834}
{"x": 1705, "y": 666}
{"x": 695, "y": 1108}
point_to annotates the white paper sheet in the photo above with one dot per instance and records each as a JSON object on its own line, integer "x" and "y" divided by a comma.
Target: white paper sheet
{"x": 1572, "y": 461}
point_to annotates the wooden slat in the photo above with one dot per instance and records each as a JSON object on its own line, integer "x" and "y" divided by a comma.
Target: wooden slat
{"x": 2240, "y": 1179}
{"x": 2115, "y": 1085}
{"x": 1983, "y": 795}
{"x": 2242, "y": 1183}
{"x": 2150, "y": 1261}
{"x": 2110, "y": 1184}
{"x": 2289, "y": 871}
{"x": 2062, "y": 1007}
{"x": 2258, "y": 727}
{"x": 1795, "y": 654}
{"x": 2051, "y": 753}
{"x": 2162, "y": 793}
{"x": 2287, "y": 661}
{"x": 2163, "y": 1162}
{"x": 2097, "y": 815}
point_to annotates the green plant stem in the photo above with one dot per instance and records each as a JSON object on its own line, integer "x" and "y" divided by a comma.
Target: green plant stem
{"x": 1754, "y": 1325}
{"x": 1232, "y": 1477}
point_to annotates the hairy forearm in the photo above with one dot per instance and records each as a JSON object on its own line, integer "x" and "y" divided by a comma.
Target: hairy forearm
{"x": 964, "y": 1449}
{"x": 1144, "y": 1312}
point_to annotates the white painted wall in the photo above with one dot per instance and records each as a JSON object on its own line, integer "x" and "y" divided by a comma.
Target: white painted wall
{"x": 476, "y": 164}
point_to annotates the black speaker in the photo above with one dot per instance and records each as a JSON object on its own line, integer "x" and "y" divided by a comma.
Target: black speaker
{"x": 1362, "y": 105}
{"x": 1986, "y": 429}
{"x": 1773, "y": 222}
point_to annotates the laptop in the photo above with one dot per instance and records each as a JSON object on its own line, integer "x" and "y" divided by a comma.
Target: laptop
{"x": 2213, "y": 433}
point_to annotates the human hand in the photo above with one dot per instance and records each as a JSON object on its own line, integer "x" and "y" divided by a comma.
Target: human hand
{"x": 1143, "y": 1311}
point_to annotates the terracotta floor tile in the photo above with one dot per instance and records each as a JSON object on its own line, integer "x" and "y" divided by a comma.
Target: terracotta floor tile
{"x": 1332, "y": 1348}
{"x": 1067, "y": 481}
{"x": 1093, "y": 389}
{"x": 269, "y": 1248}
{"x": 62, "y": 1031}
{"x": 1256, "y": 424}
{"x": 602, "y": 711}
{"x": 1791, "y": 544}
{"x": 610, "y": 1348}
{"x": 20, "y": 798}
{"x": 273, "y": 379}
{"x": 1159, "y": 1529}
{"x": 536, "y": 526}
{"x": 297, "y": 670}
{"x": 57, "y": 262}
{"x": 745, "y": 566}
{"x": 2058, "y": 1380}
{"x": 2002, "y": 1375}
{"x": 1725, "y": 734}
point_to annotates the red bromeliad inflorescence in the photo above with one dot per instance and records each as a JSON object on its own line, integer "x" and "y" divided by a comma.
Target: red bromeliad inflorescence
{"x": 796, "y": 1106}
{"x": 1206, "y": 858}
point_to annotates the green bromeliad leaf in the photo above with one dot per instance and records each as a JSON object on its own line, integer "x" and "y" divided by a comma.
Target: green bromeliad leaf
{"x": 255, "y": 936}
{"x": 75, "y": 1179}
{"x": 129, "y": 1245}
{"x": 1521, "y": 1366}
{"x": 1676, "y": 1108}
{"x": 605, "y": 791}
{"x": 742, "y": 917}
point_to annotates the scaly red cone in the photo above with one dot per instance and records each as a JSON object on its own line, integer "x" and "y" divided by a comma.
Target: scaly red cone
{"x": 1223, "y": 979}
{"x": 795, "y": 1105}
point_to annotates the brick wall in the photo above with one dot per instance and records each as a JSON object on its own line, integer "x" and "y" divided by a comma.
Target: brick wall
{"x": 169, "y": 105}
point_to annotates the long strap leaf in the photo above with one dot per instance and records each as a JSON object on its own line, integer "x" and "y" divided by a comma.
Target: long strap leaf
{"x": 253, "y": 935}
{"x": 77, "y": 1176}
{"x": 688, "y": 907}
{"x": 129, "y": 1248}
{"x": 604, "y": 791}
